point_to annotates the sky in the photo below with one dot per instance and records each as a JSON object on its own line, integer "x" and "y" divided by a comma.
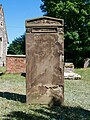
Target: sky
{"x": 16, "y": 12}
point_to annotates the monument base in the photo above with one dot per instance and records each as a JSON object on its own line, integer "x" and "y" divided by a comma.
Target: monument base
{"x": 46, "y": 94}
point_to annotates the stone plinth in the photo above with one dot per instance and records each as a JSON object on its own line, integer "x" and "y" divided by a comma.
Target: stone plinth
{"x": 69, "y": 67}
{"x": 44, "y": 61}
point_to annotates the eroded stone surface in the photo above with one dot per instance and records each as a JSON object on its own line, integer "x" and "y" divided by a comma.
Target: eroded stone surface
{"x": 44, "y": 61}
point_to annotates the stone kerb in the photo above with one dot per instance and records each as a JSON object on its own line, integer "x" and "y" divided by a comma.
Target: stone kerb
{"x": 44, "y": 61}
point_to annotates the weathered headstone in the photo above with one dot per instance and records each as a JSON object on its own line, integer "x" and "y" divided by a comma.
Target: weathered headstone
{"x": 44, "y": 61}
{"x": 87, "y": 63}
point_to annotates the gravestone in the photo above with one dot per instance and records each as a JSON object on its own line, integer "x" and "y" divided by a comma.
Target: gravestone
{"x": 68, "y": 67}
{"x": 44, "y": 61}
{"x": 87, "y": 63}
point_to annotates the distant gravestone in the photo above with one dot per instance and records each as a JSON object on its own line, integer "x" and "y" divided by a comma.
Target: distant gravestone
{"x": 44, "y": 61}
{"x": 69, "y": 67}
{"x": 3, "y": 38}
{"x": 87, "y": 63}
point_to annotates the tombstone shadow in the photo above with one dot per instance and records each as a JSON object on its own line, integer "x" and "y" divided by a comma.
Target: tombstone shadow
{"x": 2, "y": 73}
{"x": 23, "y": 74}
{"x": 13, "y": 96}
{"x": 54, "y": 113}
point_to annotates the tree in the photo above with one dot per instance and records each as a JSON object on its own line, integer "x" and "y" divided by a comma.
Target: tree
{"x": 76, "y": 14}
{"x": 17, "y": 47}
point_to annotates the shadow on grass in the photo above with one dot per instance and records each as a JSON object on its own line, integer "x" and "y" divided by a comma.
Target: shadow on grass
{"x": 55, "y": 113}
{"x": 13, "y": 96}
{"x": 2, "y": 73}
{"x": 18, "y": 115}
{"x": 23, "y": 74}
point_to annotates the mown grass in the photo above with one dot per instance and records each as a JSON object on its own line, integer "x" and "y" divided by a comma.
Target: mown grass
{"x": 13, "y": 100}
{"x": 77, "y": 92}
{"x": 2, "y": 69}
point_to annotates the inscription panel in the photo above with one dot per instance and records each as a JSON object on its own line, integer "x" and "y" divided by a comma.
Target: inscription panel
{"x": 42, "y": 30}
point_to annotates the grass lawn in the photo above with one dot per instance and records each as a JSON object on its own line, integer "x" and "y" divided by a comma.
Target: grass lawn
{"x": 13, "y": 95}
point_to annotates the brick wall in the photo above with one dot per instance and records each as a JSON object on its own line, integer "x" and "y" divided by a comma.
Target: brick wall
{"x": 16, "y": 64}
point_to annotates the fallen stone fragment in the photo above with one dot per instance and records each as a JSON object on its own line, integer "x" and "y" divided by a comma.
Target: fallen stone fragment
{"x": 71, "y": 75}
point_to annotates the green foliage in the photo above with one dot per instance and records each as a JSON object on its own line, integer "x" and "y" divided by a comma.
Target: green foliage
{"x": 17, "y": 46}
{"x": 76, "y": 14}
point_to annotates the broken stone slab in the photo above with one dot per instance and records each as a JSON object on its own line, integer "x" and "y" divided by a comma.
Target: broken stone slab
{"x": 51, "y": 94}
{"x": 71, "y": 75}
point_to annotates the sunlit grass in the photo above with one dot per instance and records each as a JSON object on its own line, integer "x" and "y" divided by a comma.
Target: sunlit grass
{"x": 2, "y": 69}
{"x": 76, "y": 100}
{"x": 85, "y": 73}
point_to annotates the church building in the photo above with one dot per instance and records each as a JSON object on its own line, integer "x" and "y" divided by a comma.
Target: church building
{"x": 3, "y": 38}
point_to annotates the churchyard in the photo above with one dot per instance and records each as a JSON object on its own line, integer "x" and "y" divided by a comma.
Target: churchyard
{"x": 38, "y": 91}
{"x": 13, "y": 105}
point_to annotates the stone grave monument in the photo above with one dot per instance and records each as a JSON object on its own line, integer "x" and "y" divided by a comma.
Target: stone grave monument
{"x": 44, "y": 61}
